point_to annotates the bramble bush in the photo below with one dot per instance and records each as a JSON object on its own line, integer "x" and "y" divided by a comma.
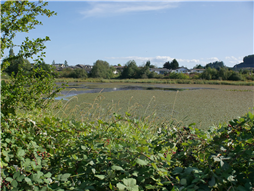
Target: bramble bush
{"x": 125, "y": 154}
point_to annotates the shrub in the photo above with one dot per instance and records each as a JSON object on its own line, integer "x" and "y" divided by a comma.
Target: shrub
{"x": 125, "y": 154}
{"x": 235, "y": 77}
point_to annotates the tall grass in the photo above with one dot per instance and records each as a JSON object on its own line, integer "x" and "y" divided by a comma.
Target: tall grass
{"x": 96, "y": 111}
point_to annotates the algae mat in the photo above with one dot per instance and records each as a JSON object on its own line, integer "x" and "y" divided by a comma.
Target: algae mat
{"x": 205, "y": 107}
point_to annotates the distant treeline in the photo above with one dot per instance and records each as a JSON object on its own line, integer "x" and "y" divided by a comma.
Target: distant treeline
{"x": 248, "y": 62}
{"x": 101, "y": 69}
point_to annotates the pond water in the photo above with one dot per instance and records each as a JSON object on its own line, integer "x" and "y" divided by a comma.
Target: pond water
{"x": 90, "y": 89}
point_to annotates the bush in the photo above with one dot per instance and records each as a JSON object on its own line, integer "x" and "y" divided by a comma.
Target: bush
{"x": 124, "y": 153}
{"x": 101, "y": 69}
{"x": 78, "y": 73}
{"x": 174, "y": 75}
{"x": 235, "y": 77}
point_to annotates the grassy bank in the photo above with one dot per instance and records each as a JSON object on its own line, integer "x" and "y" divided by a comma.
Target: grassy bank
{"x": 160, "y": 81}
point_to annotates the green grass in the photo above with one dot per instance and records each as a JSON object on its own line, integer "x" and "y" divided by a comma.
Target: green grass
{"x": 205, "y": 107}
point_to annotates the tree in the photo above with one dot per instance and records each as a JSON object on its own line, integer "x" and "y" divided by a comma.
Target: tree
{"x": 101, "y": 69}
{"x": 25, "y": 92}
{"x": 130, "y": 70}
{"x": 210, "y": 74}
{"x": 167, "y": 65}
{"x": 65, "y": 63}
{"x": 11, "y": 52}
{"x": 216, "y": 65}
{"x": 198, "y": 66}
{"x": 53, "y": 62}
{"x": 148, "y": 64}
{"x": 174, "y": 64}
{"x": 78, "y": 73}
{"x": 16, "y": 64}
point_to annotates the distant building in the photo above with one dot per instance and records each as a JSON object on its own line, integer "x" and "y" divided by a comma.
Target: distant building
{"x": 159, "y": 70}
{"x": 84, "y": 66}
{"x": 118, "y": 69}
{"x": 59, "y": 65}
{"x": 181, "y": 70}
{"x": 197, "y": 71}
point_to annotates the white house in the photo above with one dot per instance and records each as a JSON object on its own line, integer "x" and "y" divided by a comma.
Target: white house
{"x": 159, "y": 70}
{"x": 197, "y": 71}
{"x": 181, "y": 70}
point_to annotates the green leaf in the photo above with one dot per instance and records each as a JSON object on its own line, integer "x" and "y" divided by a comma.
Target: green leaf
{"x": 20, "y": 152}
{"x": 20, "y": 178}
{"x": 65, "y": 176}
{"x": 83, "y": 147}
{"x": 48, "y": 175}
{"x": 150, "y": 187}
{"x": 100, "y": 176}
{"x": 183, "y": 181}
{"x": 241, "y": 188}
{"x": 117, "y": 168}
{"x": 110, "y": 186}
{"x": 28, "y": 180}
{"x": 141, "y": 162}
{"x": 8, "y": 179}
{"x": 7, "y": 158}
{"x": 212, "y": 182}
{"x": 177, "y": 170}
{"x": 192, "y": 124}
{"x": 120, "y": 186}
{"x": 130, "y": 184}
{"x": 14, "y": 183}
{"x": 16, "y": 175}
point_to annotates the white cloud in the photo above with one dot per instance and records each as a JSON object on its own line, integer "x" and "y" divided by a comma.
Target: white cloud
{"x": 160, "y": 60}
{"x": 234, "y": 60}
{"x": 111, "y": 8}
{"x": 213, "y": 59}
{"x": 189, "y": 63}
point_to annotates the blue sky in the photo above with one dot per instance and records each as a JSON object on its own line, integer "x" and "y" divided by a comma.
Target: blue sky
{"x": 159, "y": 31}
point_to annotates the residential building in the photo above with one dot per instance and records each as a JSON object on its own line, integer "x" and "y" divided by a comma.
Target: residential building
{"x": 197, "y": 71}
{"x": 159, "y": 70}
{"x": 181, "y": 70}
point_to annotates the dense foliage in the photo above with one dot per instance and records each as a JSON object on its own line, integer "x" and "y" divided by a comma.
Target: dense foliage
{"x": 216, "y": 65}
{"x": 50, "y": 153}
{"x": 102, "y": 69}
{"x": 73, "y": 73}
{"x": 27, "y": 88}
{"x": 248, "y": 61}
{"x": 16, "y": 64}
{"x": 171, "y": 65}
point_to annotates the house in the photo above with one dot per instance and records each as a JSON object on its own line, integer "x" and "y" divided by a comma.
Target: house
{"x": 84, "y": 66}
{"x": 118, "y": 69}
{"x": 58, "y": 66}
{"x": 181, "y": 70}
{"x": 197, "y": 71}
{"x": 87, "y": 68}
{"x": 159, "y": 70}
